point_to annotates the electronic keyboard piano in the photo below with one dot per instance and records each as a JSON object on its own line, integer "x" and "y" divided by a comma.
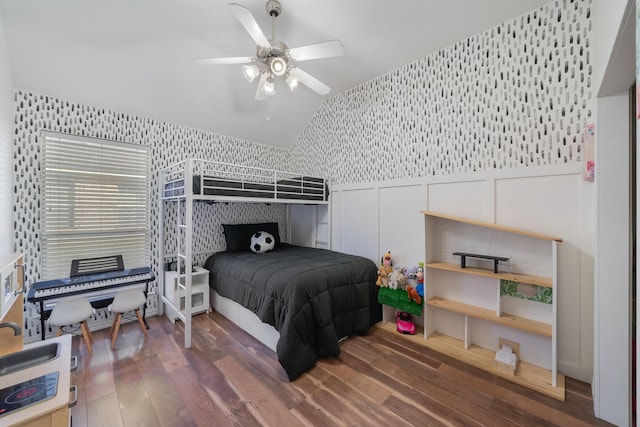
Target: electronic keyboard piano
{"x": 98, "y": 287}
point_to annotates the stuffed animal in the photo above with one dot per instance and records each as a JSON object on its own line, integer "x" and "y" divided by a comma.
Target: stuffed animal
{"x": 415, "y": 289}
{"x": 411, "y": 277}
{"x": 413, "y": 295}
{"x": 386, "y": 267}
{"x": 383, "y": 277}
{"x": 397, "y": 280}
{"x": 420, "y": 279}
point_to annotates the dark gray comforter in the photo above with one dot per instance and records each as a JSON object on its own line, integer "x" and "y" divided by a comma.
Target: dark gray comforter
{"x": 313, "y": 297}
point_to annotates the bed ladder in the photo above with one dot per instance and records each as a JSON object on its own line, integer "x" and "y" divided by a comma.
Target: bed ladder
{"x": 184, "y": 249}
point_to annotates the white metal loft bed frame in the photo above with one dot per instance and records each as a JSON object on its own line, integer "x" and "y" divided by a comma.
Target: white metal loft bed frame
{"x": 192, "y": 180}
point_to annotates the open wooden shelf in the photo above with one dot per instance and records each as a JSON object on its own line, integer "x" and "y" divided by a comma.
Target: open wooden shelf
{"x": 516, "y": 322}
{"x": 516, "y": 277}
{"x": 494, "y": 226}
{"x": 527, "y": 375}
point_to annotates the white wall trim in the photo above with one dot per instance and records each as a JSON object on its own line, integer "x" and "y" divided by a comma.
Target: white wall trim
{"x": 532, "y": 171}
{"x": 611, "y": 381}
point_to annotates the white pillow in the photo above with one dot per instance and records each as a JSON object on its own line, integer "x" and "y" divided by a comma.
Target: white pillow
{"x": 262, "y": 242}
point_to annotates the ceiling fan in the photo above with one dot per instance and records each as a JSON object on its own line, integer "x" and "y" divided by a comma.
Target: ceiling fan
{"x": 274, "y": 58}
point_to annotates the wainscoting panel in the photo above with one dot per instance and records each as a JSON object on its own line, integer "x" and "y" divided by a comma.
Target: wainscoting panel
{"x": 468, "y": 199}
{"x": 359, "y": 222}
{"x": 402, "y": 224}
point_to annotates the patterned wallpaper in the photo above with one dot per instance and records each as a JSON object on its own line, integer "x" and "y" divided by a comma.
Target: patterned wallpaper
{"x": 168, "y": 144}
{"x": 517, "y": 95}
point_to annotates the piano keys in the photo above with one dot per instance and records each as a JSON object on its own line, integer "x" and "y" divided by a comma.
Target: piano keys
{"x": 99, "y": 288}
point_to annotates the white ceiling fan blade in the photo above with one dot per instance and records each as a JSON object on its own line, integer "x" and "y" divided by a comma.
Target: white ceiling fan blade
{"x": 309, "y": 81}
{"x": 226, "y": 61}
{"x": 249, "y": 23}
{"x": 260, "y": 96}
{"x": 326, "y": 49}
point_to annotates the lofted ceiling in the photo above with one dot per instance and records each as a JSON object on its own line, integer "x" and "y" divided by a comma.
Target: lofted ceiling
{"x": 136, "y": 56}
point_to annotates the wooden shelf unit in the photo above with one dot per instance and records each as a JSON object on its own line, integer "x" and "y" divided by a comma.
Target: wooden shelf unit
{"x": 451, "y": 288}
{"x": 493, "y": 226}
{"x": 547, "y": 282}
{"x": 522, "y": 323}
{"x": 527, "y": 375}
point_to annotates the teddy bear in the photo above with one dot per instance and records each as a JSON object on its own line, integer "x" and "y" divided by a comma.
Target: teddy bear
{"x": 411, "y": 277}
{"x": 386, "y": 267}
{"x": 397, "y": 280}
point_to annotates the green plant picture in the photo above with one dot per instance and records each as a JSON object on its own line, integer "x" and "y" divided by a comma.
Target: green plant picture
{"x": 526, "y": 291}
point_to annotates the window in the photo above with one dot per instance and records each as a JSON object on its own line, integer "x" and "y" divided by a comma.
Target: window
{"x": 95, "y": 202}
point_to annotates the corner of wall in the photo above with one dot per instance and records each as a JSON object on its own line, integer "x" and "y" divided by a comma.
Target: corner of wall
{"x": 6, "y": 151}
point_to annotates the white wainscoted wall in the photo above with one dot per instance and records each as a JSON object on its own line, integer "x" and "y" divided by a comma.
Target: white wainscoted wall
{"x": 370, "y": 219}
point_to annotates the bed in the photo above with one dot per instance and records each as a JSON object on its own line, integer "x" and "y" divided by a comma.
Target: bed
{"x": 340, "y": 309}
{"x": 224, "y": 182}
{"x": 312, "y": 297}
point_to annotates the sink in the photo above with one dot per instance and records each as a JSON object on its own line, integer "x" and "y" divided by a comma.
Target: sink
{"x": 28, "y": 358}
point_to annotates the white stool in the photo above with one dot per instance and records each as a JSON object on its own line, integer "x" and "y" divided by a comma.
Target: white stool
{"x": 124, "y": 301}
{"x": 66, "y": 313}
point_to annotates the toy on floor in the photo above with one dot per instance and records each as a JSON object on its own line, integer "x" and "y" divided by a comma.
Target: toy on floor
{"x": 386, "y": 267}
{"x": 404, "y": 323}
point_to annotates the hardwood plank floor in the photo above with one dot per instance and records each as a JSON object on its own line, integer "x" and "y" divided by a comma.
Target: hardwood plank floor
{"x": 228, "y": 378}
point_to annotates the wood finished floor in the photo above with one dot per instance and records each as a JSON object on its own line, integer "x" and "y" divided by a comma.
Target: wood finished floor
{"x": 228, "y": 378}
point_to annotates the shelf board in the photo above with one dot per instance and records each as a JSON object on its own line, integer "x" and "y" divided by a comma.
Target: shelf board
{"x": 521, "y": 278}
{"x": 527, "y": 375}
{"x": 494, "y": 226}
{"x": 533, "y": 326}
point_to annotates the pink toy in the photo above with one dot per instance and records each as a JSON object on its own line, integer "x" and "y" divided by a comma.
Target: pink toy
{"x": 404, "y": 323}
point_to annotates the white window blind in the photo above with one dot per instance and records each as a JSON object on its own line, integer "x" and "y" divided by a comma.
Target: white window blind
{"x": 95, "y": 202}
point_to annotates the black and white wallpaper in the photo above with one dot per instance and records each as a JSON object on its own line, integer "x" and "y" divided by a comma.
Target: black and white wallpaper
{"x": 517, "y": 95}
{"x": 168, "y": 144}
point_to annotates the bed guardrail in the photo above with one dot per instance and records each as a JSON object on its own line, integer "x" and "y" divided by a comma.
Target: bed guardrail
{"x": 218, "y": 180}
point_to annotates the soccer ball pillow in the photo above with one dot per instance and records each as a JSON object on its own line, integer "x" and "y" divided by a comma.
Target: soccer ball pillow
{"x": 262, "y": 242}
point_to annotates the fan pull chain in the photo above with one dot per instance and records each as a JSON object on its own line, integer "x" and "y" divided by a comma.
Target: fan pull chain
{"x": 273, "y": 26}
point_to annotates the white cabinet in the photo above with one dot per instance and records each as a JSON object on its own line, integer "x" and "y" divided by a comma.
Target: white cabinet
{"x": 10, "y": 281}
{"x": 470, "y": 305}
{"x": 175, "y": 293}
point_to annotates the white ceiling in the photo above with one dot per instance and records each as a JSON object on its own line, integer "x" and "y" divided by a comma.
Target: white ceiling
{"x": 136, "y": 56}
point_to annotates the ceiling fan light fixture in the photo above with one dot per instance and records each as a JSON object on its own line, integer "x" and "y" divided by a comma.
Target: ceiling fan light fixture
{"x": 250, "y": 72}
{"x": 292, "y": 82}
{"x": 269, "y": 87}
{"x": 273, "y": 57}
{"x": 278, "y": 66}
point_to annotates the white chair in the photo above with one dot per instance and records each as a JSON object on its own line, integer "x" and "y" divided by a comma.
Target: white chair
{"x": 125, "y": 301}
{"x": 70, "y": 312}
